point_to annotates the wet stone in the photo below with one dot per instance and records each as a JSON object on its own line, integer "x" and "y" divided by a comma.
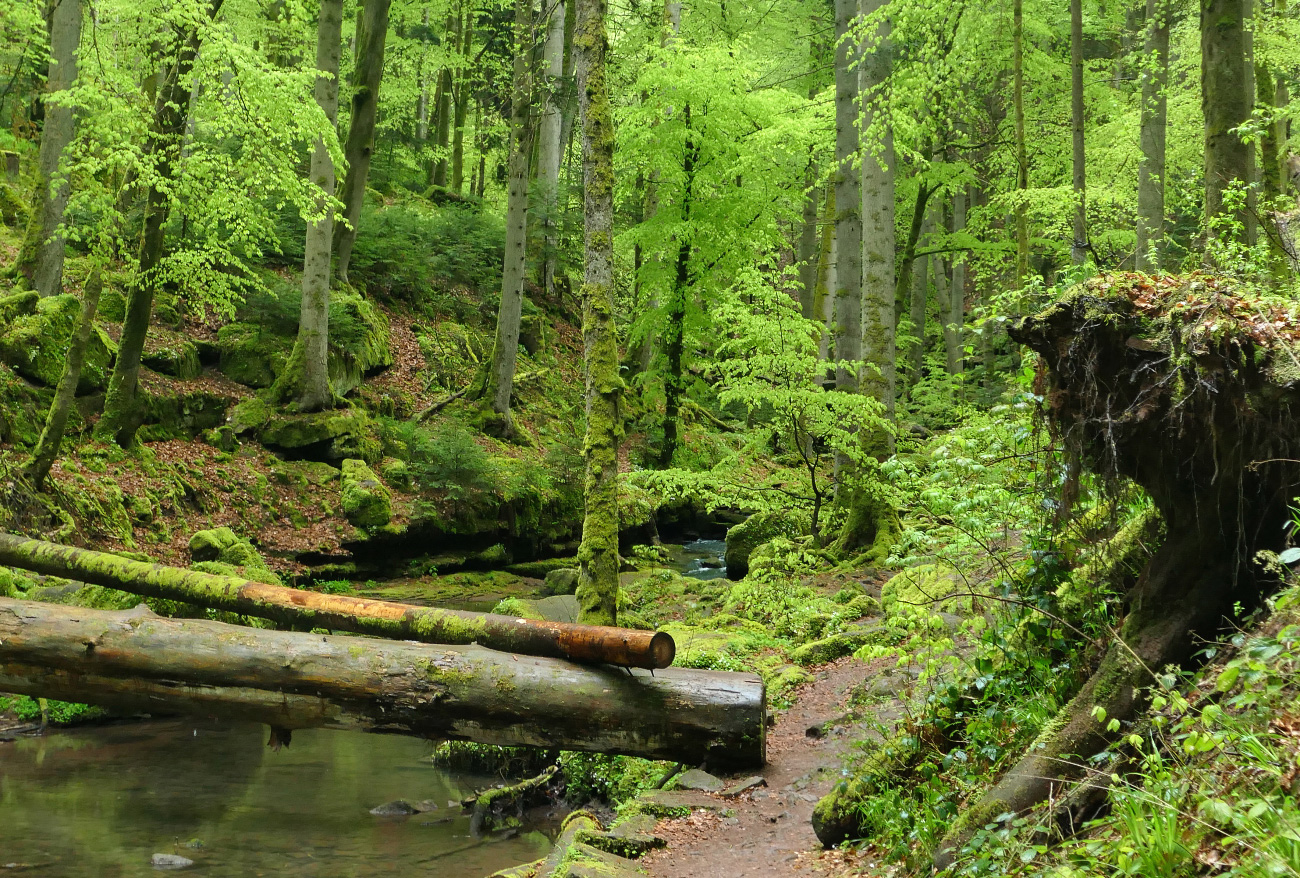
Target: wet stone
{"x": 695, "y": 779}
{"x": 170, "y": 861}
{"x": 396, "y": 808}
{"x": 748, "y": 783}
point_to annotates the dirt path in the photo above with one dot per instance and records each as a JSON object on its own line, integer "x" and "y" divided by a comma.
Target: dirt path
{"x": 771, "y": 833}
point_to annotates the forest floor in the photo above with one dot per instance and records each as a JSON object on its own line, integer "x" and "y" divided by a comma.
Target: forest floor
{"x": 768, "y": 831}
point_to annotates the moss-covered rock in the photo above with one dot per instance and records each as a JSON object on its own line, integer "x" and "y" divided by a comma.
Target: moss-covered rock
{"x": 183, "y": 415}
{"x": 359, "y": 342}
{"x": 751, "y": 533}
{"x": 936, "y": 587}
{"x": 13, "y": 211}
{"x": 223, "y": 544}
{"x": 171, "y": 353}
{"x": 251, "y": 355}
{"x": 35, "y": 342}
{"x": 366, "y": 501}
{"x": 563, "y": 580}
{"x": 396, "y": 473}
{"x": 329, "y": 435}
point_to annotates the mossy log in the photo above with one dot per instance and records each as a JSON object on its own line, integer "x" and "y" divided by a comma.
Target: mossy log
{"x": 136, "y": 661}
{"x": 309, "y": 609}
{"x": 1193, "y": 393}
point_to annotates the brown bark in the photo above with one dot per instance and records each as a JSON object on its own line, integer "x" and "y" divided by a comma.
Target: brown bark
{"x": 291, "y": 606}
{"x": 134, "y": 660}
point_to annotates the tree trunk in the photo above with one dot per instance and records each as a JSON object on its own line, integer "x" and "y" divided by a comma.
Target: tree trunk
{"x": 1022, "y": 156}
{"x": 47, "y": 448}
{"x": 501, "y": 378}
{"x": 442, "y": 133}
{"x": 598, "y": 555}
{"x": 919, "y": 299}
{"x": 41, "y": 257}
{"x": 551, "y": 147}
{"x": 878, "y": 347}
{"x": 848, "y": 205}
{"x": 122, "y": 416}
{"x": 807, "y": 255}
{"x": 956, "y": 316}
{"x": 1079, "y": 249}
{"x": 305, "y": 379}
{"x": 372, "y": 34}
{"x": 823, "y": 299}
{"x": 294, "y": 607}
{"x": 1226, "y": 101}
{"x": 460, "y": 97}
{"x": 1154, "y": 114}
{"x": 133, "y": 660}
{"x": 675, "y": 318}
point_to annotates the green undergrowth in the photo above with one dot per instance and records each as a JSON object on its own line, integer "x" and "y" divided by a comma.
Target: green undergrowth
{"x": 57, "y": 713}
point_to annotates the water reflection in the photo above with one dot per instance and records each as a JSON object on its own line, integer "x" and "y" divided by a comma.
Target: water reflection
{"x": 100, "y": 802}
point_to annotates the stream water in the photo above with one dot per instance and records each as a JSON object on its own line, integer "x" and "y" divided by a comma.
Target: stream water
{"x": 701, "y": 559}
{"x": 99, "y": 802}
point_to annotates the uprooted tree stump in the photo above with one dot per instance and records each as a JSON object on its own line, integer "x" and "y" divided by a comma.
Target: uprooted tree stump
{"x": 1194, "y": 393}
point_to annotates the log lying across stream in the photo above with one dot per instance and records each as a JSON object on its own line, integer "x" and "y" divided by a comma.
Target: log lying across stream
{"x": 309, "y": 609}
{"x": 135, "y": 660}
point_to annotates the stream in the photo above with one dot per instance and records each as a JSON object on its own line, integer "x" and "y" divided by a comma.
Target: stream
{"x": 701, "y": 559}
{"x": 99, "y": 802}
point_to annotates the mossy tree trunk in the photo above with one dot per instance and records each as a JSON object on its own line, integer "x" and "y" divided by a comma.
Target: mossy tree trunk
{"x": 598, "y": 555}
{"x": 1154, "y": 116}
{"x": 1079, "y": 248}
{"x": 501, "y": 375}
{"x": 460, "y": 99}
{"x": 823, "y": 294}
{"x": 122, "y": 416}
{"x": 847, "y": 334}
{"x": 1227, "y": 99}
{"x": 47, "y": 447}
{"x": 1190, "y": 429}
{"x": 41, "y": 257}
{"x": 1022, "y": 155}
{"x": 674, "y": 335}
{"x": 134, "y": 660}
{"x": 442, "y": 126}
{"x": 913, "y": 283}
{"x": 305, "y": 380}
{"x": 807, "y": 254}
{"x": 372, "y": 34}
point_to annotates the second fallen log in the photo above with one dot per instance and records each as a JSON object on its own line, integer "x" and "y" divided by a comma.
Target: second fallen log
{"x": 308, "y": 609}
{"x": 138, "y": 661}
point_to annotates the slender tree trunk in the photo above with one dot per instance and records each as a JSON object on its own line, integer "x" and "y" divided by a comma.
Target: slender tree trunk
{"x": 1022, "y": 156}
{"x": 823, "y": 300}
{"x": 41, "y": 256}
{"x": 122, "y": 418}
{"x": 919, "y": 299}
{"x": 550, "y": 148}
{"x": 371, "y": 37}
{"x": 956, "y": 316}
{"x": 1151, "y": 171}
{"x": 807, "y": 254}
{"x": 47, "y": 448}
{"x": 675, "y": 318}
{"x": 598, "y": 555}
{"x": 461, "y": 97}
{"x": 879, "y": 329}
{"x": 431, "y": 169}
{"x": 848, "y": 205}
{"x": 1226, "y": 103}
{"x": 442, "y": 134}
{"x": 502, "y": 376}
{"x": 1079, "y": 249}
{"x": 305, "y": 380}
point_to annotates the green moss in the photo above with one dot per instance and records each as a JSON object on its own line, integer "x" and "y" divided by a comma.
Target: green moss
{"x": 358, "y": 341}
{"x": 327, "y": 435}
{"x": 36, "y": 344}
{"x": 936, "y": 587}
{"x": 251, "y": 355}
{"x": 518, "y": 607}
{"x": 366, "y": 502}
{"x": 171, "y": 353}
{"x": 751, "y": 533}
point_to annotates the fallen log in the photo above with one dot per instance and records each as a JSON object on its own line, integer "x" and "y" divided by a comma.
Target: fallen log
{"x": 135, "y": 660}
{"x": 308, "y": 609}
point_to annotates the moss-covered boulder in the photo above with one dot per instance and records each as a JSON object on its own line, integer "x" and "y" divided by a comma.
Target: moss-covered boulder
{"x": 751, "y": 533}
{"x": 222, "y": 551}
{"x": 13, "y": 211}
{"x": 35, "y": 341}
{"x": 171, "y": 353}
{"x": 359, "y": 342}
{"x": 936, "y": 587}
{"x": 183, "y": 415}
{"x": 563, "y": 580}
{"x": 396, "y": 473}
{"x": 252, "y": 355}
{"x": 327, "y": 436}
{"x": 366, "y": 501}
